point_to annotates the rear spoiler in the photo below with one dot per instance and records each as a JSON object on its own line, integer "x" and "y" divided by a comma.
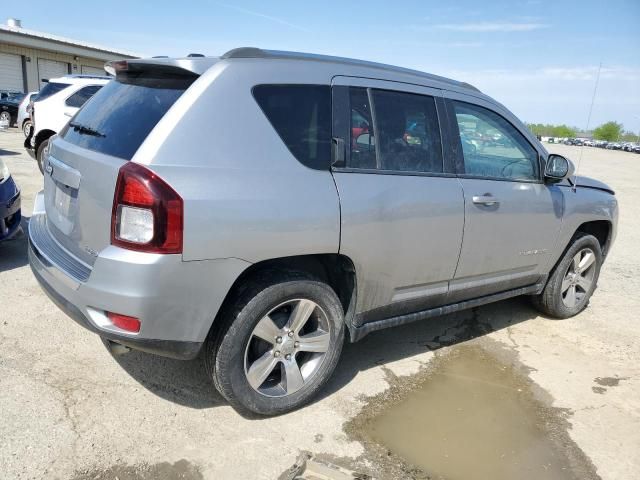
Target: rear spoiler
{"x": 181, "y": 66}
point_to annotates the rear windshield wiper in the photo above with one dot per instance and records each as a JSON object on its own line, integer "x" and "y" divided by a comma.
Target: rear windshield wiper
{"x": 84, "y": 130}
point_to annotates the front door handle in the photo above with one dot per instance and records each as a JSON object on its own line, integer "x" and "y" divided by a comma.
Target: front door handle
{"x": 485, "y": 200}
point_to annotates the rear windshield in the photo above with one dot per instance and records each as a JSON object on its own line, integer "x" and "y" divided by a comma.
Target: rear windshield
{"x": 117, "y": 119}
{"x": 51, "y": 88}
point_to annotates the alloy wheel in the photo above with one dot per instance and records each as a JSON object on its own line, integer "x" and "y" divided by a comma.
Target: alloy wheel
{"x": 579, "y": 278}
{"x": 287, "y": 348}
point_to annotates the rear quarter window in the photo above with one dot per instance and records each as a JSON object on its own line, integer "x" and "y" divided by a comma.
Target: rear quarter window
{"x": 81, "y": 96}
{"x": 301, "y": 115}
{"x": 51, "y": 88}
{"x": 120, "y": 116}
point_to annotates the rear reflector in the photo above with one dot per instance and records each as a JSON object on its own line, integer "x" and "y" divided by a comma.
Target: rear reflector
{"x": 130, "y": 324}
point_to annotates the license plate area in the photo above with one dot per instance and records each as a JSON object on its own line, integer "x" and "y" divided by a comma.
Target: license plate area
{"x": 61, "y": 204}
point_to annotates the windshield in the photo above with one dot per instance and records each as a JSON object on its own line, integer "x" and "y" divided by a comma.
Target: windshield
{"x": 117, "y": 119}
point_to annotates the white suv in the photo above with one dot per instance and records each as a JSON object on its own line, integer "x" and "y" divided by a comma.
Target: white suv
{"x": 56, "y": 103}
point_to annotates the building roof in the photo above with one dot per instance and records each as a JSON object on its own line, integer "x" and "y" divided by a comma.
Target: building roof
{"x": 65, "y": 41}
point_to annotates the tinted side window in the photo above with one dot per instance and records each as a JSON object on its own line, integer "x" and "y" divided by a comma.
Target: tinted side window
{"x": 492, "y": 147}
{"x": 301, "y": 115}
{"x": 81, "y": 96}
{"x": 407, "y": 132}
{"x": 51, "y": 88}
{"x": 363, "y": 151}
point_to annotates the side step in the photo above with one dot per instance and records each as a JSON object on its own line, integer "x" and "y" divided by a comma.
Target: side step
{"x": 358, "y": 333}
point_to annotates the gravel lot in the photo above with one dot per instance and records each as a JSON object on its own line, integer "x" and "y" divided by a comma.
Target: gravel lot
{"x": 69, "y": 409}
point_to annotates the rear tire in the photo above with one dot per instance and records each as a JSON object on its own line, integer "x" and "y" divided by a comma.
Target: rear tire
{"x": 41, "y": 153}
{"x": 278, "y": 343}
{"x": 574, "y": 279}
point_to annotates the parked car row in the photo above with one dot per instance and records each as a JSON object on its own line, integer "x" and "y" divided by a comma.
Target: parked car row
{"x": 625, "y": 146}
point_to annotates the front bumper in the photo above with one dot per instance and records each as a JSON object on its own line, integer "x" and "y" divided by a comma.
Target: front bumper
{"x": 10, "y": 212}
{"x": 175, "y": 301}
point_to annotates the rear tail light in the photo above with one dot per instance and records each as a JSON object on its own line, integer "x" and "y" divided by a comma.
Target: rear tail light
{"x": 130, "y": 324}
{"x": 147, "y": 214}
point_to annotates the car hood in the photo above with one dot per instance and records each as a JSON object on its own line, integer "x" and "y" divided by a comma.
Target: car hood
{"x": 589, "y": 182}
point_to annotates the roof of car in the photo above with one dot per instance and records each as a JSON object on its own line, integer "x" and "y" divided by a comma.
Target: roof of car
{"x": 251, "y": 52}
{"x": 72, "y": 79}
{"x": 199, "y": 64}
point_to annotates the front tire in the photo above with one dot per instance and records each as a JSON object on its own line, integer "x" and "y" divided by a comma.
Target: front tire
{"x": 41, "y": 153}
{"x": 574, "y": 279}
{"x": 278, "y": 343}
{"x": 26, "y": 128}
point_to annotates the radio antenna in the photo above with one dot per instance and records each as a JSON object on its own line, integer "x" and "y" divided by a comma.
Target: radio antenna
{"x": 593, "y": 99}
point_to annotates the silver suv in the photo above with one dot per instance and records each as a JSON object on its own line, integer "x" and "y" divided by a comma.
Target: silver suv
{"x": 260, "y": 207}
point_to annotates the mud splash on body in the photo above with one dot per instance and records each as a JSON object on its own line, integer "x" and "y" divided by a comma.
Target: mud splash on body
{"x": 472, "y": 414}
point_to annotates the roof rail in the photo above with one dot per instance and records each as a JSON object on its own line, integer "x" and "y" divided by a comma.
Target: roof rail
{"x": 253, "y": 52}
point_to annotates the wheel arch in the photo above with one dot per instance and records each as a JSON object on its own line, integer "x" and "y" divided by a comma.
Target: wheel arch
{"x": 601, "y": 229}
{"x": 337, "y": 270}
{"x": 41, "y": 136}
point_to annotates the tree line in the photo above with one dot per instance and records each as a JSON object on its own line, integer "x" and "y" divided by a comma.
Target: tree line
{"x": 610, "y": 131}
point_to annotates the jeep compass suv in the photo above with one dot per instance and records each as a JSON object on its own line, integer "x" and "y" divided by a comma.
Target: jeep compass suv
{"x": 263, "y": 247}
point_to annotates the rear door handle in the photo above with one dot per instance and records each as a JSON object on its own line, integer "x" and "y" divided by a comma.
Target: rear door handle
{"x": 485, "y": 200}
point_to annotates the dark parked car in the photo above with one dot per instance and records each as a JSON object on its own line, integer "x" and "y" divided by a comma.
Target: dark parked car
{"x": 9, "y": 203}
{"x": 9, "y": 107}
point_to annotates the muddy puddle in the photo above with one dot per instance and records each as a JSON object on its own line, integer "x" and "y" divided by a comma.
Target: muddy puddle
{"x": 473, "y": 415}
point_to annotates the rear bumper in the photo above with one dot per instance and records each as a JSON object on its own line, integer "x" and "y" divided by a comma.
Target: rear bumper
{"x": 167, "y": 348}
{"x": 10, "y": 213}
{"x": 175, "y": 301}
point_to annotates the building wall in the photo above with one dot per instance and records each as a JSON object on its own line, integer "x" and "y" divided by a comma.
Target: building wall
{"x": 31, "y": 56}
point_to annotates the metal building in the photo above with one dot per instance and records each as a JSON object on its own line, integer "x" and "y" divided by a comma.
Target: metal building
{"x": 29, "y": 58}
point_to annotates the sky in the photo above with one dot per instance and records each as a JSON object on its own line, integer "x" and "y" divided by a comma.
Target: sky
{"x": 540, "y": 58}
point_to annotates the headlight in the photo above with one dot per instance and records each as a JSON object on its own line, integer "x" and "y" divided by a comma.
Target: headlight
{"x": 4, "y": 171}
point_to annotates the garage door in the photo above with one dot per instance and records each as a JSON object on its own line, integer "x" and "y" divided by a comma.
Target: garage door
{"x": 51, "y": 69}
{"x": 86, "y": 70}
{"x": 11, "y": 72}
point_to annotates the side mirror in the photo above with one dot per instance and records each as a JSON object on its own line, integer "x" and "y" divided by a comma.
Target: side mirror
{"x": 558, "y": 168}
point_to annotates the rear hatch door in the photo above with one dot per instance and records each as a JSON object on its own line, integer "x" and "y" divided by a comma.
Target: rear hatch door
{"x": 82, "y": 168}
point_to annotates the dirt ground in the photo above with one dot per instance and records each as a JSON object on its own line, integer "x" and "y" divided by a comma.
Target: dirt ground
{"x": 69, "y": 409}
